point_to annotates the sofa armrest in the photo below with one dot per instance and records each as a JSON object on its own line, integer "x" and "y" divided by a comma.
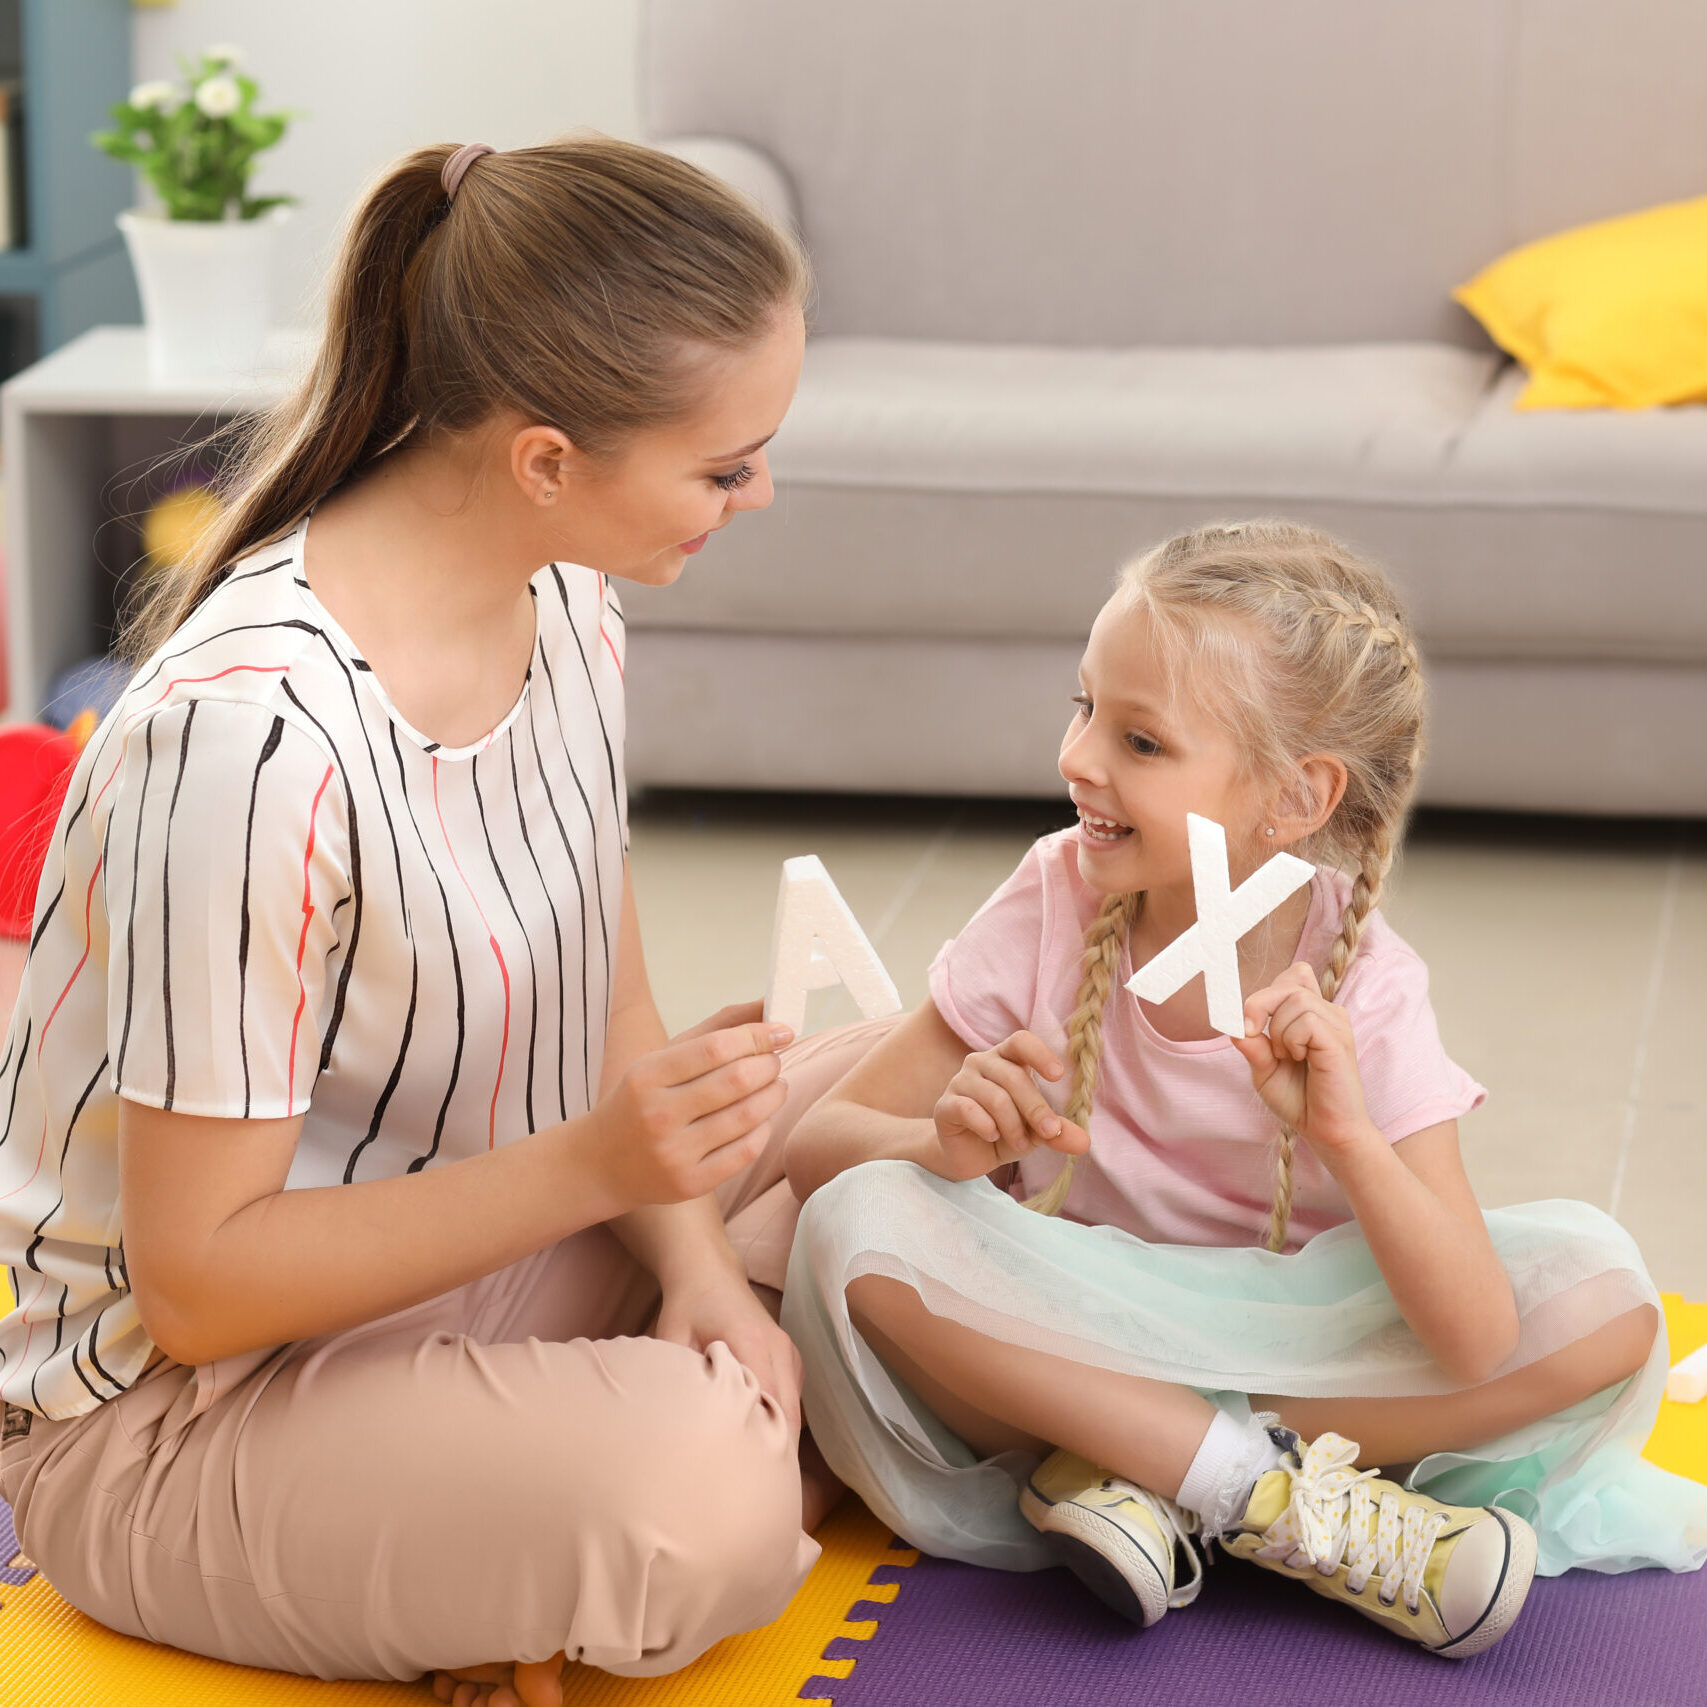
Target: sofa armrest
{"x": 743, "y": 167}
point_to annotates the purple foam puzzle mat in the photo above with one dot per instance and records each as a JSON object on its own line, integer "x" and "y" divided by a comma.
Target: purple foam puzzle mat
{"x": 10, "y": 1573}
{"x": 962, "y": 1637}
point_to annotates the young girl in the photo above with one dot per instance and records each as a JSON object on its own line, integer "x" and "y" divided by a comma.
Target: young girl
{"x": 1258, "y": 1261}
{"x": 344, "y": 1162}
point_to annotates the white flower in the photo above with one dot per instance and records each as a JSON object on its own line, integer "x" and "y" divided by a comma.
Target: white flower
{"x": 219, "y": 97}
{"x": 225, "y": 54}
{"x": 156, "y": 95}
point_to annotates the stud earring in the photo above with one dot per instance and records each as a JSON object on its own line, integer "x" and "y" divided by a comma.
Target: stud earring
{"x": 551, "y": 492}
{"x": 1269, "y": 831}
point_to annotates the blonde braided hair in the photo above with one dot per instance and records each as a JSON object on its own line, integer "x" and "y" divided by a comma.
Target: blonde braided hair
{"x": 1310, "y": 652}
{"x": 1366, "y": 891}
{"x": 1104, "y": 941}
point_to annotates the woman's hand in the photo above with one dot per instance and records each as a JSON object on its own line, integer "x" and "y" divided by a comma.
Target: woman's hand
{"x": 687, "y": 1117}
{"x": 724, "y": 1308}
{"x": 1305, "y": 1067}
{"x": 725, "y": 1019}
{"x": 992, "y": 1111}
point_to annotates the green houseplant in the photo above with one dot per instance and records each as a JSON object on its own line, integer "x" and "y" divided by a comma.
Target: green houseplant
{"x": 203, "y": 257}
{"x": 196, "y": 145}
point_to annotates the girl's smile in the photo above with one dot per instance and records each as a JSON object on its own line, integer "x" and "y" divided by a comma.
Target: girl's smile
{"x": 1095, "y": 832}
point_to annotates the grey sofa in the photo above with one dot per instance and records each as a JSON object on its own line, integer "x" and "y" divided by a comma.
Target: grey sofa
{"x": 1093, "y": 270}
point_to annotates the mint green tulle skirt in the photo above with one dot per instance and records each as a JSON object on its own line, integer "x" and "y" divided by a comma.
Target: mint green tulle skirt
{"x": 1318, "y": 1323}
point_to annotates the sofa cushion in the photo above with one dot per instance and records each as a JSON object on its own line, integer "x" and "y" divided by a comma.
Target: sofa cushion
{"x": 972, "y": 490}
{"x": 1637, "y": 461}
{"x": 1367, "y": 421}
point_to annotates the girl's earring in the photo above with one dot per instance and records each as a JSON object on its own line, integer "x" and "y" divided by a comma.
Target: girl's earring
{"x": 551, "y": 492}
{"x": 1269, "y": 831}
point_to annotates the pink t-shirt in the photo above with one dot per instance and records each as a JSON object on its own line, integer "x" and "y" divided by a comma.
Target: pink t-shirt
{"x": 1182, "y": 1148}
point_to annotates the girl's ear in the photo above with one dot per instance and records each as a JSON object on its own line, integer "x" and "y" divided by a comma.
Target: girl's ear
{"x": 1315, "y": 789}
{"x": 542, "y": 460}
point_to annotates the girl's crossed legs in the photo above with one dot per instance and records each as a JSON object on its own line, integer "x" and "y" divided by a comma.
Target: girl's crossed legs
{"x": 999, "y": 1397}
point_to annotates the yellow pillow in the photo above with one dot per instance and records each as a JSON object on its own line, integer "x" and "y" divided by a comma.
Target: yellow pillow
{"x": 1608, "y": 316}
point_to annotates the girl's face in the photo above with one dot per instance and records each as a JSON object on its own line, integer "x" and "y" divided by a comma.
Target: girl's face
{"x": 1137, "y": 758}
{"x": 643, "y": 511}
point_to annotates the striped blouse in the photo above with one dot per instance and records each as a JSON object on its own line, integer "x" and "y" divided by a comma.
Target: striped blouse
{"x": 268, "y": 896}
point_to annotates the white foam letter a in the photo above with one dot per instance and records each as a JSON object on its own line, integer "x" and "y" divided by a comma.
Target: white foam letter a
{"x": 817, "y": 944}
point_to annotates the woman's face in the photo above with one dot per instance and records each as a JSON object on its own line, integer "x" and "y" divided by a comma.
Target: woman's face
{"x": 642, "y": 511}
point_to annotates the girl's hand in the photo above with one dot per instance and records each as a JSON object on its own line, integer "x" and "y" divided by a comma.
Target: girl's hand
{"x": 687, "y": 1117}
{"x": 993, "y": 1112}
{"x": 725, "y": 1309}
{"x": 1305, "y": 1068}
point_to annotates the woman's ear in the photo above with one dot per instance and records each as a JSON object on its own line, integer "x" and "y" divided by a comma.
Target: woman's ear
{"x": 542, "y": 460}
{"x": 1314, "y": 790}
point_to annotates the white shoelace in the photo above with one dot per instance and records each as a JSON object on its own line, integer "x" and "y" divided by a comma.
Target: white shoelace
{"x": 1327, "y": 1521}
{"x": 1176, "y": 1525}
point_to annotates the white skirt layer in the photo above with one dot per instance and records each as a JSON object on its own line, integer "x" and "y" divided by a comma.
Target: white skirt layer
{"x": 1318, "y": 1323}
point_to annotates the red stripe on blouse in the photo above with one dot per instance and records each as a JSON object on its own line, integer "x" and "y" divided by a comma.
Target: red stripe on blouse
{"x": 302, "y": 941}
{"x": 604, "y": 589}
{"x": 88, "y": 903}
{"x": 218, "y": 675}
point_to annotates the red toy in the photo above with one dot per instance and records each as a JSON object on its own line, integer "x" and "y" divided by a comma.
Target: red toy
{"x": 35, "y": 770}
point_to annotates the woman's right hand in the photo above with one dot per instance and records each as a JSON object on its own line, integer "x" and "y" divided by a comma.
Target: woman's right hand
{"x": 687, "y": 1117}
{"x": 992, "y": 1111}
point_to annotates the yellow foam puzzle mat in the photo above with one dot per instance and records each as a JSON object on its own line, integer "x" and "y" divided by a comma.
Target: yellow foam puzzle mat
{"x": 53, "y": 1656}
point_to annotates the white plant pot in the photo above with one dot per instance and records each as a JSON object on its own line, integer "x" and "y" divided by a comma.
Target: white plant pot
{"x": 206, "y": 291}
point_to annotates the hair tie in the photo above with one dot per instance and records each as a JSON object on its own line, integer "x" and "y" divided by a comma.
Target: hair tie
{"x": 456, "y": 167}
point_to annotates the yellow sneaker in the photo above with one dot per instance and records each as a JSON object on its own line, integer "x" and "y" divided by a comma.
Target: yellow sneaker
{"x": 1452, "y": 1578}
{"x": 1121, "y": 1541}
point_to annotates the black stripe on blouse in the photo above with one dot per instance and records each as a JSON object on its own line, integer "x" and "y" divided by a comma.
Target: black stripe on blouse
{"x": 268, "y": 747}
{"x": 166, "y": 907}
{"x": 521, "y": 931}
{"x": 130, "y": 929}
{"x": 349, "y": 964}
{"x": 455, "y": 962}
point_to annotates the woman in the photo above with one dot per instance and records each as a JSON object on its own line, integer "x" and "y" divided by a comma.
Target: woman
{"x": 344, "y": 1149}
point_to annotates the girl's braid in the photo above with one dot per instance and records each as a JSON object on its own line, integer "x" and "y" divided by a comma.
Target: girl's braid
{"x": 1366, "y": 891}
{"x": 1359, "y": 613}
{"x": 1104, "y": 940}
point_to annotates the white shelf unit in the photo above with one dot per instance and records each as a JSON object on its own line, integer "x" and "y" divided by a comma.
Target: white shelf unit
{"x": 69, "y": 426}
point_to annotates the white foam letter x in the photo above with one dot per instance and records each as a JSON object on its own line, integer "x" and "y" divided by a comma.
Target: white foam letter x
{"x": 1211, "y": 946}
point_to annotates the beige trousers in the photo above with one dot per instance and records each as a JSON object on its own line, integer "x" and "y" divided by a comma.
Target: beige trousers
{"x": 494, "y": 1474}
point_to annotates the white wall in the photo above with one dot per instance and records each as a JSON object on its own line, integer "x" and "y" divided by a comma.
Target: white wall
{"x": 374, "y": 78}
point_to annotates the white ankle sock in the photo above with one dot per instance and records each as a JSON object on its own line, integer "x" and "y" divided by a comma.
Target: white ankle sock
{"x": 1232, "y": 1456}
